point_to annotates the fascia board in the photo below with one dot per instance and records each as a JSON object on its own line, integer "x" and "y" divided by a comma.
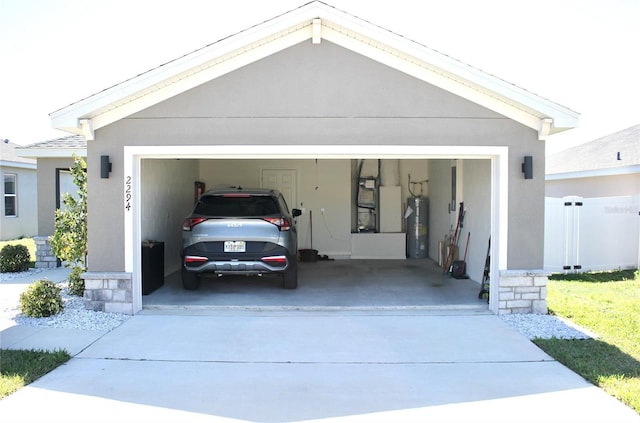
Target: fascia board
{"x": 343, "y": 29}
{"x": 344, "y": 151}
{"x": 46, "y": 153}
{"x": 288, "y": 29}
{"x": 626, "y": 170}
{"x": 154, "y": 95}
{"x": 180, "y": 69}
{"x": 433, "y": 76}
{"x": 17, "y": 165}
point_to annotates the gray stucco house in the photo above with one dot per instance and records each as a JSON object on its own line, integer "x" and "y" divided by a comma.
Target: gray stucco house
{"x": 54, "y": 159}
{"x": 296, "y": 103}
{"x": 19, "y": 201}
{"x": 605, "y": 167}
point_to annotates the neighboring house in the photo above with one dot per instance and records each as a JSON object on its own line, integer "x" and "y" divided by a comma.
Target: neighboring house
{"x": 593, "y": 203}
{"x": 54, "y": 158}
{"x": 297, "y": 103}
{"x": 20, "y": 204}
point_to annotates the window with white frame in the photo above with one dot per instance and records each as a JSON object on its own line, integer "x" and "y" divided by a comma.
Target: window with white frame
{"x": 10, "y": 195}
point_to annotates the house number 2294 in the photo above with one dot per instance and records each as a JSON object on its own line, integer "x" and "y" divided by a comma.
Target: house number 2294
{"x": 127, "y": 193}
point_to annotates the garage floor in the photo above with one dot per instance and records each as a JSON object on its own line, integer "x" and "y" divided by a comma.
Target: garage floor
{"x": 329, "y": 284}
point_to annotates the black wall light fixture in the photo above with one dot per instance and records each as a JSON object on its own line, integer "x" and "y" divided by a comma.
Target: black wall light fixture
{"x": 105, "y": 167}
{"x": 527, "y": 167}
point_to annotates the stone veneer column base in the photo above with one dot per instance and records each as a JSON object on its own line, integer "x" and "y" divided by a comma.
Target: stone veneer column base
{"x": 111, "y": 292}
{"x": 523, "y": 291}
{"x": 45, "y": 259}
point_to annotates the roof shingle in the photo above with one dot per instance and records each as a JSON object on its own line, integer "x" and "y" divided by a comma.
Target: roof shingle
{"x": 8, "y": 154}
{"x": 620, "y": 149}
{"x": 69, "y": 142}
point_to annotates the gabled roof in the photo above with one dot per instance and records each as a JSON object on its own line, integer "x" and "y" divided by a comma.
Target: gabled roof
{"x": 617, "y": 153}
{"x": 313, "y": 22}
{"x": 10, "y": 158}
{"x": 57, "y": 147}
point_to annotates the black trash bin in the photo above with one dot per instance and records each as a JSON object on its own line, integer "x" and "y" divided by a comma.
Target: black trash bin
{"x": 152, "y": 266}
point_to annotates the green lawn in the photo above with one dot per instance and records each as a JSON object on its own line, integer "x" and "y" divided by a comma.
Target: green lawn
{"x": 608, "y": 304}
{"x": 21, "y": 367}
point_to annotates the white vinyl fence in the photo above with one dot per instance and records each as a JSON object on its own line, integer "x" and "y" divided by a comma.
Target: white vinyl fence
{"x": 591, "y": 234}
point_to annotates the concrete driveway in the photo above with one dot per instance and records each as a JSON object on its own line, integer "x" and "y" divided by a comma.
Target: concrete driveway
{"x": 407, "y": 345}
{"x": 234, "y": 365}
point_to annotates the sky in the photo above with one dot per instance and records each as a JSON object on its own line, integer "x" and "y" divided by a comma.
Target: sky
{"x": 581, "y": 54}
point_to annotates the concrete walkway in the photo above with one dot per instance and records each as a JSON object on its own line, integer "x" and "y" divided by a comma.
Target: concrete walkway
{"x": 234, "y": 365}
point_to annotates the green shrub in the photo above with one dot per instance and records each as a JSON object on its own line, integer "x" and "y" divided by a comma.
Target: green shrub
{"x": 69, "y": 240}
{"x": 76, "y": 283}
{"x": 41, "y": 299}
{"x": 14, "y": 258}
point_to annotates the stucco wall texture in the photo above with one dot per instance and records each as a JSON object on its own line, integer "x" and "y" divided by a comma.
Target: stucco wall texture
{"x": 320, "y": 95}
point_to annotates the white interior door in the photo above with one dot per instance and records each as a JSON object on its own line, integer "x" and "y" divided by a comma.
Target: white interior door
{"x": 285, "y": 181}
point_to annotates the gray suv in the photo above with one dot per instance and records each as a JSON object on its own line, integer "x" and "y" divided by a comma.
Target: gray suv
{"x": 236, "y": 231}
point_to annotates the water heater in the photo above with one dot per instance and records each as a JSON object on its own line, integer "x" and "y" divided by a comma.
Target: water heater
{"x": 417, "y": 220}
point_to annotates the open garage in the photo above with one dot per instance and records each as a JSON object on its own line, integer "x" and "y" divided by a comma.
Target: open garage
{"x": 336, "y": 224}
{"x": 320, "y": 97}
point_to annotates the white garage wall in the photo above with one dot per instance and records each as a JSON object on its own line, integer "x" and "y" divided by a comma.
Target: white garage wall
{"x": 167, "y": 195}
{"x": 439, "y": 195}
{"x": 475, "y": 192}
{"x": 476, "y": 178}
{"x": 325, "y": 185}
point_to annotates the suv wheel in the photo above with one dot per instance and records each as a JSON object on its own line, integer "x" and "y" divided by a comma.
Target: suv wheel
{"x": 190, "y": 280}
{"x": 290, "y": 276}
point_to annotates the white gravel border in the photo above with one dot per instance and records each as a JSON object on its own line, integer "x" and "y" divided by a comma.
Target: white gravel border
{"x": 545, "y": 326}
{"x": 75, "y": 316}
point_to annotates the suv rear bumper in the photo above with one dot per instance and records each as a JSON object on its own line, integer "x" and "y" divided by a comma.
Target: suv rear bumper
{"x": 235, "y": 267}
{"x": 275, "y": 259}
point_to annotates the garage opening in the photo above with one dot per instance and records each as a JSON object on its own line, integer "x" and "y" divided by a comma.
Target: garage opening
{"x": 356, "y": 213}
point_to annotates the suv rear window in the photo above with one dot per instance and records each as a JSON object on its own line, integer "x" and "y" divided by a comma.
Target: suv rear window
{"x": 236, "y": 206}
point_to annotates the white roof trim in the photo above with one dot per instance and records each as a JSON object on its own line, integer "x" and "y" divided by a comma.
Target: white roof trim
{"x": 626, "y": 170}
{"x": 48, "y": 153}
{"x": 343, "y": 151}
{"x": 316, "y": 31}
{"x": 18, "y": 165}
{"x": 86, "y": 128}
{"x": 314, "y": 21}
{"x": 546, "y": 125}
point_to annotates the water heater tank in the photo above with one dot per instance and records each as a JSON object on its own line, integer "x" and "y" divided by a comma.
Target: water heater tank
{"x": 417, "y": 221}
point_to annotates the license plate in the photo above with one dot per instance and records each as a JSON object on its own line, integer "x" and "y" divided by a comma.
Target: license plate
{"x": 234, "y": 247}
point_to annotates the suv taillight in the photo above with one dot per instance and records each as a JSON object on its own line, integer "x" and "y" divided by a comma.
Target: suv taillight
{"x": 282, "y": 223}
{"x": 191, "y": 222}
